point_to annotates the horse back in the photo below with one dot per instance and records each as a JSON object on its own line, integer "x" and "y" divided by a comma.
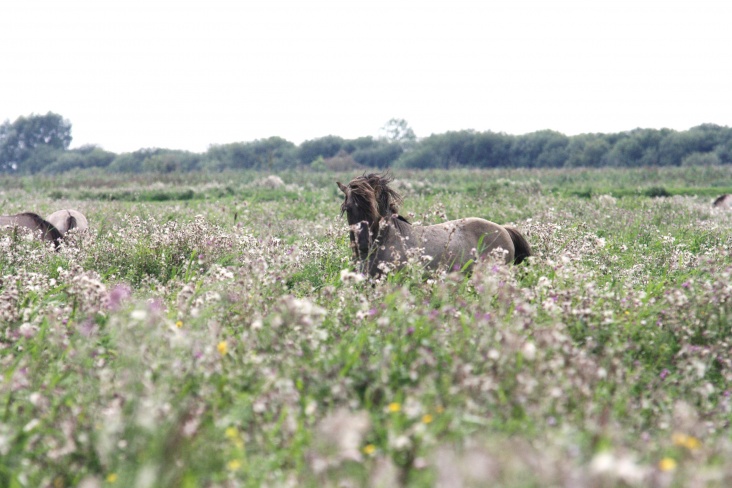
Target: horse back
{"x": 457, "y": 240}
{"x": 33, "y": 222}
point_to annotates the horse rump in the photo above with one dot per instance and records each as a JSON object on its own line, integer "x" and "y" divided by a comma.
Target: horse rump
{"x": 522, "y": 249}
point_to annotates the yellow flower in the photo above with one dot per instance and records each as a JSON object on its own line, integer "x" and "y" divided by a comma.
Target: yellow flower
{"x": 231, "y": 433}
{"x": 667, "y": 464}
{"x": 439, "y": 409}
{"x": 687, "y": 441}
{"x": 233, "y": 465}
{"x": 369, "y": 449}
{"x": 223, "y": 348}
{"x": 395, "y": 407}
{"x": 112, "y": 478}
{"x": 179, "y": 324}
{"x": 426, "y": 418}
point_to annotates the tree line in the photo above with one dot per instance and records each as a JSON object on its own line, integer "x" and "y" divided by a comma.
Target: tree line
{"x": 40, "y": 144}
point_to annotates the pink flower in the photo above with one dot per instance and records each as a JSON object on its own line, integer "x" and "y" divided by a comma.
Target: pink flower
{"x": 118, "y": 295}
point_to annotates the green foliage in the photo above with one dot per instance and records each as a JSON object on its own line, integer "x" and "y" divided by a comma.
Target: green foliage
{"x": 323, "y": 147}
{"x": 397, "y": 131}
{"x": 155, "y": 160}
{"x": 35, "y": 136}
{"x": 270, "y": 154}
{"x": 36, "y": 144}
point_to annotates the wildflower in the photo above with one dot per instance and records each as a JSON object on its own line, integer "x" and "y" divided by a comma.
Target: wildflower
{"x": 112, "y": 478}
{"x": 427, "y": 418}
{"x": 179, "y": 324}
{"x": 369, "y": 449}
{"x": 667, "y": 464}
{"x": 118, "y": 295}
{"x": 223, "y": 348}
{"x": 687, "y": 441}
{"x": 338, "y": 438}
{"x": 395, "y": 407}
{"x": 231, "y": 433}
{"x": 138, "y": 315}
{"x": 233, "y": 465}
{"x": 348, "y": 276}
{"x": 529, "y": 351}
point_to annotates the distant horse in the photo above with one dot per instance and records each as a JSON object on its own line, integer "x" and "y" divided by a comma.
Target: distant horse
{"x": 380, "y": 235}
{"x": 724, "y": 201}
{"x": 65, "y": 220}
{"x": 35, "y": 223}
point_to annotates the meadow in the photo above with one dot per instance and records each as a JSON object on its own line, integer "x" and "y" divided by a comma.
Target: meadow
{"x": 210, "y": 331}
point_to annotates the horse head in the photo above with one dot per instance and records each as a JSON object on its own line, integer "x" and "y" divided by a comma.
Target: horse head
{"x": 369, "y": 197}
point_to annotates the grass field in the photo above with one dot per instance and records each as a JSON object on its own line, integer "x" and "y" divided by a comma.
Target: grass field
{"x": 210, "y": 331}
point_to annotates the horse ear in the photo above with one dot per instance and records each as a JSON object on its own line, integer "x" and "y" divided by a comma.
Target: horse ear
{"x": 341, "y": 186}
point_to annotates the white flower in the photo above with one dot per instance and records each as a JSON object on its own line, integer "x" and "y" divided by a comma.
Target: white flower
{"x": 348, "y": 276}
{"x": 529, "y": 351}
{"x": 138, "y": 315}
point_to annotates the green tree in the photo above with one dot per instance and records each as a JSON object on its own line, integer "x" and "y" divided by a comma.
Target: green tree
{"x": 587, "y": 150}
{"x": 541, "y": 149}
{"x": 323, "y": 147}
{"x": 88, "y": 156}
{"x": 265, "y": 154}
{"x": 34, "y": 137}
{"x": 398, "y": 131}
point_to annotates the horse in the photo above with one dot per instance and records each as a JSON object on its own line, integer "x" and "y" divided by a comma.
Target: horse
{"x": 65, "y": 220}
{"x": 34, "y": 222}
{"x": 724, "y": 201}
{"x": 380, "y": 235}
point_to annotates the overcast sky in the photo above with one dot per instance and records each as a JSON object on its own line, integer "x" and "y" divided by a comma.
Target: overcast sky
{"x": 186, "y": 74}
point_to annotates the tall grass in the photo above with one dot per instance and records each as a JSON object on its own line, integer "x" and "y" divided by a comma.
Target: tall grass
{"x": 227, "y": 341}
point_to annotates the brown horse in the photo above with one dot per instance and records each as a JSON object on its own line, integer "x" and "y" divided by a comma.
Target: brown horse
{"x": 380, "y": 237}
{"x": 35, "y": 223}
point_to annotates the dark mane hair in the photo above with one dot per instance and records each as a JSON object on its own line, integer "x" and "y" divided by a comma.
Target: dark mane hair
{"x": 34, "y": 222}
{"x": 50, "y": 232}
{"x": 720, "y": 200}
{"x": 372, "y": 199}
{"x": 360, "y": 203}
{"x": 387, "y": 199}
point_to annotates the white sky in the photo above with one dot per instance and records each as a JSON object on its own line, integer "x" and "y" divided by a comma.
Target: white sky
{"x": 185, "y": 74}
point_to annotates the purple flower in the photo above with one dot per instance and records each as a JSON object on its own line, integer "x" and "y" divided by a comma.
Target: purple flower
{"x": 118, "y": 295}
{"x": 156, "y": 305}
{"x": 88, "y": 328}
{"x": 663, "y": 374}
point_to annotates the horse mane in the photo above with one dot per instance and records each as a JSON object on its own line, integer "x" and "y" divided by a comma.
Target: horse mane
{"x": 36, "y": 222}
{"x": 387, "y": 199}
{"x": 363, "y": 196}
{"x": 720, "y": 200}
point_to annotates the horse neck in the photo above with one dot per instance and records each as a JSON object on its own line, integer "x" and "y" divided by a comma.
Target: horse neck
{"x": 388, "y": 232}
